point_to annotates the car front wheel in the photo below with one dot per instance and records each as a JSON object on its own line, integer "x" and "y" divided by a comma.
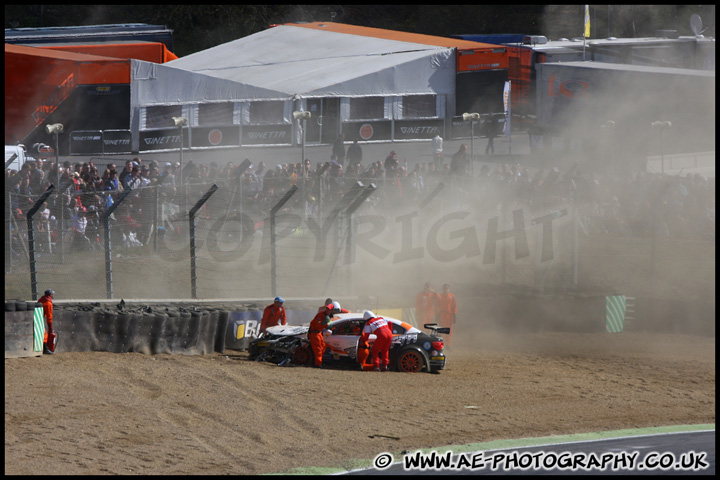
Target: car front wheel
{"x": 303, "y": 355}
{"x": 410, "y": 361}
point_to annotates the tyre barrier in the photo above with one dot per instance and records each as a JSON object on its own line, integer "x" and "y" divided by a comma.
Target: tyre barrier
{"x": 177, "y": 328}
{"x": 181, "y": 328}
{"x": 147, "y": 332}
{"x": 86, "y": 328}
{"x": 188, "y": 329}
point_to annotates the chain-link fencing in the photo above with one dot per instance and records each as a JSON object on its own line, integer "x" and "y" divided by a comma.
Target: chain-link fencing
{"x": 362, "y": 234}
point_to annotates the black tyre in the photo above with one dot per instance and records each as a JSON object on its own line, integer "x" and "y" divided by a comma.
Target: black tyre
{"x": 410, "y": 361}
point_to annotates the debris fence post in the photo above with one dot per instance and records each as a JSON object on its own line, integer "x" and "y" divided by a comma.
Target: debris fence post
{"x": 31, "y": 239}
{"x": 108, "y": 246}
{"x": 191, "y": 219}
{"x": 273, "y": 255}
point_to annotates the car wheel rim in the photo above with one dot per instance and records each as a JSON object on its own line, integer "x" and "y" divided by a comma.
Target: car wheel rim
{"x": 410, "y": 362}
{"x": 302, "y": 356}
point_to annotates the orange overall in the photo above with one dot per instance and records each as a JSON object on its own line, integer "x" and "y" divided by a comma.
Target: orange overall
{"x": 272, "y": 316}
{"x": 47, "y": 304}
{"x": 425, "y": 306}
{"x": 317, "y": 342}
{"x": 446, "y": 312}
{"x": 363, "y": 352}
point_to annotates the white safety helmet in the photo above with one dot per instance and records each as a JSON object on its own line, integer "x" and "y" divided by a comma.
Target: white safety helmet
{"x": 336, "y": 306}
{"x": 368, "y": 315}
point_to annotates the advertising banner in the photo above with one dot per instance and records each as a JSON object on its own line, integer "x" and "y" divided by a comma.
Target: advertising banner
{"x": 165, "y": 139}
{"x": 116, "y": 141}
{"x": 216, "y": 136}
{"x": 481, "y": 59}
{"x": 242, "y": 327}
{"x": 86, "y": 142}
{"x": 366, "y": 131}
{"x": 267, "y": 135}
{"x": 507, "y": 105}
{"x": 587, "y": 21}
{"x": 99, "y": 142}
{"x": 417, "y": 129}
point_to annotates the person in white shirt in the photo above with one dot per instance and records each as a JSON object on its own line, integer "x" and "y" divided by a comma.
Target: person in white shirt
{"x": 437, "y": 145}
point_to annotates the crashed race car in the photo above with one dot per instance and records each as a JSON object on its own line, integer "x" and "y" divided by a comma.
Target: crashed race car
{"x": 412, "y": 350}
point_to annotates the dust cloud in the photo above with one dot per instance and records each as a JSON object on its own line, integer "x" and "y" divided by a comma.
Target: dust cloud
{"x": 504, "y": 227}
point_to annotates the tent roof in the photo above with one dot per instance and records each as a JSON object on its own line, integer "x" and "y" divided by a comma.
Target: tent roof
{"x": 393, "y": 35}
{"x": 296, "y": 59}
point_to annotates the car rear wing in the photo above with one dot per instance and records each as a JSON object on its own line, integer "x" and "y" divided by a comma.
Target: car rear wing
{"x": 435, "y": 329}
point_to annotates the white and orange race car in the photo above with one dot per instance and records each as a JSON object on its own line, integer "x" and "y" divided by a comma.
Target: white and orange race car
{"x": 412, "y": 349}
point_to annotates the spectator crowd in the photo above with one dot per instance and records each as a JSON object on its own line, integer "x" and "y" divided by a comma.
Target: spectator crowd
{"x": 677, "y": 206}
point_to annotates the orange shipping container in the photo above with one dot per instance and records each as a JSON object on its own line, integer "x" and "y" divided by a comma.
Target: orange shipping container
{"x": 147, "y": 51}
{"x": 37, "y": 80}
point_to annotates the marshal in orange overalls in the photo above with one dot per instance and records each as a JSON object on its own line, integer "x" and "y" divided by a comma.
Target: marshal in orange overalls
{"x": 274, "y": 314}
{"x": 425, "y": 304}
{"x": 317, "y": 325}
{"x": 47, "y": 303}
{"x": 446, "y": 311}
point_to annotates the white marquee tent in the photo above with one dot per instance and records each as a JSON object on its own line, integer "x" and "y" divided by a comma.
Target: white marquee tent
{"x": 292, "y": 64}
{"x": 288, "y": 61}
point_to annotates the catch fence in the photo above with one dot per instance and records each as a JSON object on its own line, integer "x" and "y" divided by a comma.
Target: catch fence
{"x": 319, "y": 236}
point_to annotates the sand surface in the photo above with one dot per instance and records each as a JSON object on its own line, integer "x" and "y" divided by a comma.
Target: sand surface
{"x": 107, "y": 413}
